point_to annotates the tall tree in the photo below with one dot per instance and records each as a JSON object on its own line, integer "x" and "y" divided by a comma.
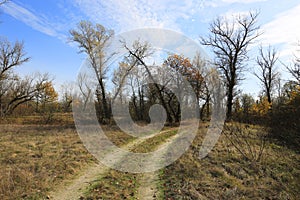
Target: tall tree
{"x": 67, "y": 96}
{"x": 190, "y": 71}
{"x": 294, "y": 70}
{"x": 247, "y": 102}
{"x": 92, "y": 40}
{"x": 11, "y": 56}
{"x": 230, "y": 40}
{"x": 46, "y": 95}
{"x": 19, "y": 91}
{"x": 267, "y": 74}
{"x": 134, "y": 52}
{"x": 85, "y": 94}
{"x": 129, "y": 64}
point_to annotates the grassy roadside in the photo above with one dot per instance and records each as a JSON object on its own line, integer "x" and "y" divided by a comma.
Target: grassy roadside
{"x": 123, "y": 185}
{"x": 34, "y": 159}
{"x": 225, "y": 174}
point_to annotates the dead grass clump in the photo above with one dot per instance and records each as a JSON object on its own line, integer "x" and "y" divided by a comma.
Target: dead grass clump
{"x": 34, "y": 159}
{"x": 226, "y": 174}
{"x": 248, "y": 140}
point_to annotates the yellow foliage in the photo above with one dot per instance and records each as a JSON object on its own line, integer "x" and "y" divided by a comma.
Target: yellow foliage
{"x": 49, "y": 92}
{"x": 295, "y": 93}
{"x": 262, "y": 107}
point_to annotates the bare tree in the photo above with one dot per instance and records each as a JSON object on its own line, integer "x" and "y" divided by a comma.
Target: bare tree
{"x": 128, "y": 64}
{"x": 11, "y": 56}
{"x": 130, "y": 78}
{"x": 230, "y": 41}
{"x": 134, "y": 52}
{"x": 201, "y": 90}
{"x": 294, "y": 70}
{"x": 267, "y": 74}
{"x": 92, "y": 40}
{"x": 67, "y": 96}
{"x": 85, "y": 91}
{"x": 21, "y": 91}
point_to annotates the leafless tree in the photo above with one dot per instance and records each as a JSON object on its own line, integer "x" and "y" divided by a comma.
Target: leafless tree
{"x": 67, "y": 96}
{"x": 85, "y": 90}
{"x": 230, "y": 40}
{"x": 267, "y": 74}
{"x": 202, "y": 90}
{"x": 129, "y": 63}
{"x": 92, "y": 40}
{"x": 11, "y": 56}
{"x": 294, "y": 70}
{"x": 20, "y": 91}
{"x": 134, "y": 52}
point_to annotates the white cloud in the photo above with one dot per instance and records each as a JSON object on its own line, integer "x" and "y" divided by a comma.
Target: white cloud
{"x": 131, "y": 14}
{"x": 38, "y": 23}
{"x": 284, "y": 29}
{"x": 233, "y": 14}
{"x": 219, "y": 3}
{"x": 242, "y": 1}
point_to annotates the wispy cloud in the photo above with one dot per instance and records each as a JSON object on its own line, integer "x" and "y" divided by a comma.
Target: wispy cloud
{"x": 131, "y": 14}
{"x": 284, "y": 30}
{"x": 242, "y": 1}
{"x": 37, "y": 22}
{"x": 220, "y": 3}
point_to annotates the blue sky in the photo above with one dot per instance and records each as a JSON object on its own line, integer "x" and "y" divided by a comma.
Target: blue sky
{"x": 44, "y": 26}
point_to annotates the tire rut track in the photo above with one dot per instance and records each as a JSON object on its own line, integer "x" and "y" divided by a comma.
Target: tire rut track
{"x": 74, "y": 189}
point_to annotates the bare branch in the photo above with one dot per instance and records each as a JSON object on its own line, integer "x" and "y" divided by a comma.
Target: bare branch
{"x": 92, "y": 40}
{"x": 267, "y": 74}
{"x": 230, "y": 41}
{"x": 11, "y": 55}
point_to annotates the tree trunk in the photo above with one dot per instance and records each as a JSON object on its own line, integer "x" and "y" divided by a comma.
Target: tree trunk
{"x": 269, "y": 96}
{"x": 141, "y": 104}
{"x": 229, "y": 101}
{"x": 104, "y": 101}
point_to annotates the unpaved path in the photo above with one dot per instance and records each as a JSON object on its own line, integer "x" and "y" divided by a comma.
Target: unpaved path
{"x": 148, "y": 186}
{"x": 73, "y": 189}
{"x": 148, "y": 189}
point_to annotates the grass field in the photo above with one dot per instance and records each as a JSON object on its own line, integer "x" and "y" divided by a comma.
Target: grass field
{"x": 36, "y": 159}
{"x": 226, "y": 174}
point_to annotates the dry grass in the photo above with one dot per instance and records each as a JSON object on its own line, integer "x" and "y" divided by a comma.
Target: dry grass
{"x": 34, "y": 159}
{"x": 113, "y": 185}
{"x": 150, "y": 144}
{"x": 63, "y": 119}
{"x": 123, "y": 185}
{"x": 225, "y": 174}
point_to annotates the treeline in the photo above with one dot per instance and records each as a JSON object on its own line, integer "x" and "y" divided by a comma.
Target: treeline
{"x": 29, "y": 94}
{"x": 229, "y": 39}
